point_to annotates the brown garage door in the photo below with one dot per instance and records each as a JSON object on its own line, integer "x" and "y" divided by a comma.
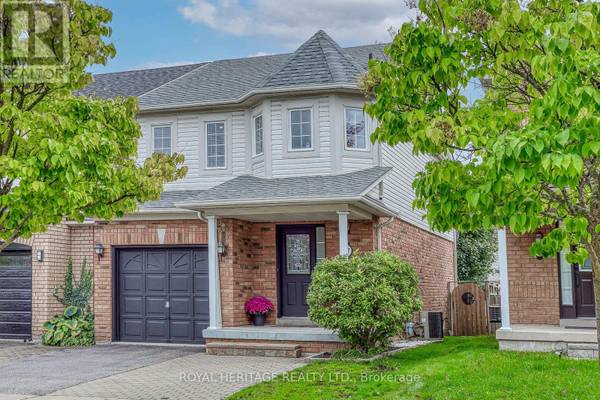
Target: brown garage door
{"x": 162, "y": 294}
{"x": 15, "y": 292}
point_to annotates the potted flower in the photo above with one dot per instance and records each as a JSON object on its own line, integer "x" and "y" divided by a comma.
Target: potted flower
{"x": 258, "y": 307}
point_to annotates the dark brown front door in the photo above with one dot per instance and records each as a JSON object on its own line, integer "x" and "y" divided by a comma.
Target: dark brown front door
{"x": 584, "y": 292}
{"x": 296, "y": 261}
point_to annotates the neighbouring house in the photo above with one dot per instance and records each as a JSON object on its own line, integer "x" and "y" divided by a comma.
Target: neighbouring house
{"x": 282, "y": 173}
{"x": 547, "y": 304}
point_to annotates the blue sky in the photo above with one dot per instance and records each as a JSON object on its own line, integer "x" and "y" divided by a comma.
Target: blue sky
{"x": 153, "y": 33}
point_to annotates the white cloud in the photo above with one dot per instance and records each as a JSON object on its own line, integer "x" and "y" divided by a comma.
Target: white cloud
{"x": 350, "y": 22}
{"x": 259, "y": 54}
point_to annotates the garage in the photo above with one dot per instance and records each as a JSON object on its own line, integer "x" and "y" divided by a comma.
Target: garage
{"x": 161, "y": 294}
{"x": 15, "y": 292}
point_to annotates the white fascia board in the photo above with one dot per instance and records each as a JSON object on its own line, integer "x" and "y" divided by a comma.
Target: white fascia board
{"x": 269, "y": 201}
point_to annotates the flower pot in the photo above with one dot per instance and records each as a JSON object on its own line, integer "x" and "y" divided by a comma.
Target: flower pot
{"x": 258, "y": 320}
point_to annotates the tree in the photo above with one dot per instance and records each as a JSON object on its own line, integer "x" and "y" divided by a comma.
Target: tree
{"x": 476, "y": 254}
{"x": 64, "y": 156}
{"x": 527, "y": 155}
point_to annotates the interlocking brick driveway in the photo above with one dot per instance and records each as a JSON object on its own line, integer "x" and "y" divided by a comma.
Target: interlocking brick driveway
{"x": 121, "y": 372}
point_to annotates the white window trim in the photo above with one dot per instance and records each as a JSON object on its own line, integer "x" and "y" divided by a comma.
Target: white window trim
{"x": 165, "y": 125}
{"x": 312, "y": 134}
{"x": 367, "y": 147}
{"x": 206, "y": 144}
{"x": 254, "y": 153}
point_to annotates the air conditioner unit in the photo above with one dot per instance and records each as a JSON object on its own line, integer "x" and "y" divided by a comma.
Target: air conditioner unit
{"x": 433, "y": 324}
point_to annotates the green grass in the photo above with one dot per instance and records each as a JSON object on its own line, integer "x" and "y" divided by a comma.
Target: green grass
{"x": 460, "y": 368}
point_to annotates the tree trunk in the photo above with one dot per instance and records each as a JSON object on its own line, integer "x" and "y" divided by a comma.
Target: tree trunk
{"x": 594, "y": 250}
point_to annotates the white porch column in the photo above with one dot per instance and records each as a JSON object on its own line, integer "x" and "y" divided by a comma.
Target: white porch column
{"x": 503, "y": 266}
{"x": 343, "y": 230}
{"x": 214, "y": 286}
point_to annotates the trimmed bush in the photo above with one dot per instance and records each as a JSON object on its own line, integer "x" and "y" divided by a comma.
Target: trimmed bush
{"x": 366, "y": 298}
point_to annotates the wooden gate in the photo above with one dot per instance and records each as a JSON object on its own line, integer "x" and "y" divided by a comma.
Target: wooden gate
{"x": 469, "y": 310}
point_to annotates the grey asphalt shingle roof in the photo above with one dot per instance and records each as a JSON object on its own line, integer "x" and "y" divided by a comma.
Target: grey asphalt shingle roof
{"x": 169, "y": 198}
{"x": 319, "y": 61}
{"x": 134, "y": 83}
{"x": 242, "y": 188}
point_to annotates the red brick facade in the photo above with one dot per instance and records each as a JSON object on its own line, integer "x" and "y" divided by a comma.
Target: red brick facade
{"x": 533, "y": 284}
{"x": 248, "y": 268}
{"x": 431, "y": 255}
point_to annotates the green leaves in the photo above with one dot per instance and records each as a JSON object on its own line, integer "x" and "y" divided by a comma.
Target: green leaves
{"x": 525, "y": 155}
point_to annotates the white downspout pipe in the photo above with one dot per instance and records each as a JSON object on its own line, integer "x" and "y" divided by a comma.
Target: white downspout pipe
{"x": 379, "y": 227}
{"x": 503, "y": 266}
{"x": 214, "y": 284}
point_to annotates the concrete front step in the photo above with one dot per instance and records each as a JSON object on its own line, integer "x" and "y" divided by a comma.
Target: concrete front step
{"x": 295, "y": 322}
{"x": 582, "y": 350}
{"x": 253, "y": 349}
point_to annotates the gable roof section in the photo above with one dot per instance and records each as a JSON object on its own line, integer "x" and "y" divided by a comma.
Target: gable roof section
{"x": 249, "y": 189}
{"x": 134, "y": 83}
{"x": 320, "y": 60}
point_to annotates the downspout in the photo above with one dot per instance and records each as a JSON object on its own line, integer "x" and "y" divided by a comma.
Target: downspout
{"x": 201, "y": 216}
{"x": 379, "y": 227}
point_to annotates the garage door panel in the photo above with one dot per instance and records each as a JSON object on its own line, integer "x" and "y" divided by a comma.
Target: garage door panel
{"x": 132, "y": 306}
{"x": 156, "y": 261}
{"x": 15, "y": 283}
{"x": 181, "y": 307}
{"x": 157, "y": 330}
{"x": 15, "y": 316}
{"x": 181, "y": 283}
{"x": 15, "y": 294}
{"x": 182, "y": 331}
{"x": 15, "y": 305}
{"x": 132, "y": 329}
{"x": 180, "y": 261}
{"x": 156, "y": 307}
{"x": 130, "y": 261}
{"x": 157, "y": 283}
{"x": 15, "y": 273}
{"x": 179, "y": 276}
{"x": 131, "y": 283}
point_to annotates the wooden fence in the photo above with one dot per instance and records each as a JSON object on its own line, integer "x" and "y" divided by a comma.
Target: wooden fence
{"x": 474, "y": 308}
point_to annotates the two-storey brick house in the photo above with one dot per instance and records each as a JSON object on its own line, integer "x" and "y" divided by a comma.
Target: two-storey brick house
{"x": 282, "y": 173}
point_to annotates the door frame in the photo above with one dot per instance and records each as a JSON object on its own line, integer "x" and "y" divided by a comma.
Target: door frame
{"x": 279, "y": 229}
{"x": 115, "y": 276}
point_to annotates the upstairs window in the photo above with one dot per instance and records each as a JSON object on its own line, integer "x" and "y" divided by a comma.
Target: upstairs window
{"x": 162, "y": 139}
{"x": 301, "y": 129}
{"x": 258, "y": 135}
{"x": 215, "y": 145}
{"x": 356, "y": 136}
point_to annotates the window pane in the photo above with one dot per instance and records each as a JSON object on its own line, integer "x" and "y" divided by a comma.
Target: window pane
{"x": 320, "y": 233}
{"x": 295, "y": 116}
{"x": 566, "y": 283}
{"x": 355, "y": 129}
{"x": 162, "y": 139}
{"x": 295, "y": 130}
{"x": 306, "y": 129}
{"x": 298, "y": 254}
{"x": 305, "y": 115}
{"x": 215, "y": 145}
{"x": 296, "y": 142}
{"x": 306, "y": 142}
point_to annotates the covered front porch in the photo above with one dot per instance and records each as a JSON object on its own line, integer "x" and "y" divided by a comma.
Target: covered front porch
{"x": 267, "y": 240}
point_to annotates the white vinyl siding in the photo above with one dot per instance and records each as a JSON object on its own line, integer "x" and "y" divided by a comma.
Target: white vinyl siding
{"x": 258, "y": 135}
{"x": 301, "y": 129}
{"x": 215, "y": 145}
{"x": 355, "y": 129}
{"x": 162, "y": 139}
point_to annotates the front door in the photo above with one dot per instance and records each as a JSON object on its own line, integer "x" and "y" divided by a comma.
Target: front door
{"x": 584, "y": 291}
{"x": 297, "y": 258}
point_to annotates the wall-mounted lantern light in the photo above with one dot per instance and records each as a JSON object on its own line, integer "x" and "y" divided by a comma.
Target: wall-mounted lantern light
{"x": 99, "y": 249}
{"x": 221, "y": 249}
{"x": 39, "y": 255}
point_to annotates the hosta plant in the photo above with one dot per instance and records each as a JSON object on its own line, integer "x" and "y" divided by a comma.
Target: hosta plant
{"x": 73, "y": 327}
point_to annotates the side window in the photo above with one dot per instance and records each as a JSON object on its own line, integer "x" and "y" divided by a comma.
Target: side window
{"x": 258, "y": 135}
{"x": 162, "y": 139}
{"x": 215, "y": 145}
{"x": 301, "y": 129}
{"x": 354, "y": 124}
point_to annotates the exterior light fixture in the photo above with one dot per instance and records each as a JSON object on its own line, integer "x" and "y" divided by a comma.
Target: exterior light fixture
{"x": 99, "y": 249}
{"x": 39, "y": 255}
{"x": 221, "y": 249}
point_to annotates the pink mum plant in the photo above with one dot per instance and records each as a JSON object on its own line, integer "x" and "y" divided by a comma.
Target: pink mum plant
{"x": 258, "y": 305}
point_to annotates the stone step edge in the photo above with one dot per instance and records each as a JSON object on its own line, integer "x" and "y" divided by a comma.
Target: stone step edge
{"x": 252, "y": 346}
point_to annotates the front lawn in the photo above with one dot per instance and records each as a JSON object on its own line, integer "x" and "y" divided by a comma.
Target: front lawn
{"x": 459, "y": 368}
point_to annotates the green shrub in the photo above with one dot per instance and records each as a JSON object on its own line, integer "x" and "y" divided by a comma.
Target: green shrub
{"x": 73, "y": 327}
{"x": 72, "y": 293}
{"x": 366, "y": 298}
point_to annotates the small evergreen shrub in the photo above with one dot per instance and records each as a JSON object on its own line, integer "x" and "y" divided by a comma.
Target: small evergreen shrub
{"x": 72, "y": 293}
{"x": 73, "y": 327}
{"x": 366, "y": 298}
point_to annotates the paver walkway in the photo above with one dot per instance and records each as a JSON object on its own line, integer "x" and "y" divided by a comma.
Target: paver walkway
{"x": 119, "y": 372}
